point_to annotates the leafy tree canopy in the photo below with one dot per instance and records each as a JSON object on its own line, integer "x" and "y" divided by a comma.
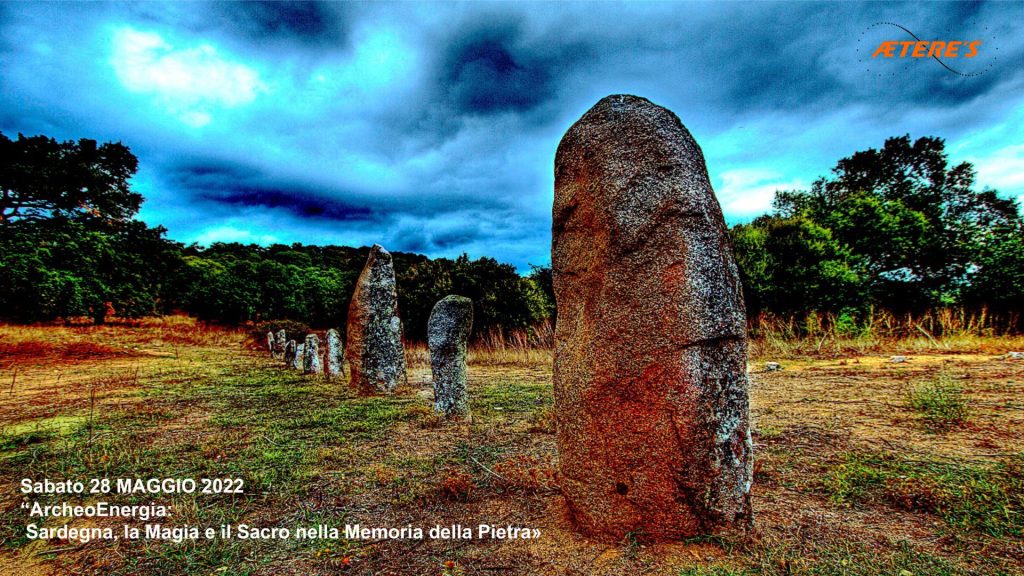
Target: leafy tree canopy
{"x": 43, "y": 178}
{"x": 916, "y": 225}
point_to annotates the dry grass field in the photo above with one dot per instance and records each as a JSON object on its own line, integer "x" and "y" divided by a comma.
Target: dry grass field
{"x": 864, "y": 466}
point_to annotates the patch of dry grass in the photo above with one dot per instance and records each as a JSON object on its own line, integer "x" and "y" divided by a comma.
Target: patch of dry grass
{"x": 773, "y": 337}
{"x": 945, "y": 330}
{"x": 117, "y": 337}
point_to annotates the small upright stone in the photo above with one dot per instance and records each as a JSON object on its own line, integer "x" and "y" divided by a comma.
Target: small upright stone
{"x": 279, "y": 343}
{"x": 448, "y": 330}
{"x": 297, "y": 360}
{"x": 311, "y": 355}
{"x": 373, "y": 346}
{"x": 289, "y": 353}
{"x": 270, "y": 343}
{"x": 335, "y": 351}
{"x": 650, "y": 364}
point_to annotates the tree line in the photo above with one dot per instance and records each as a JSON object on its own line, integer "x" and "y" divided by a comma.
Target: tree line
{"x": 895, "y": 228}
{"x": 70, "y": 247}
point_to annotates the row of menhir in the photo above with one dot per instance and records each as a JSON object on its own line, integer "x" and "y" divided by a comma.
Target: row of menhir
{"x": 374, "y": 350}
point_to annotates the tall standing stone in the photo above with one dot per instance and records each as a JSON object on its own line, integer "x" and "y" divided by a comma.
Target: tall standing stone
{"x": 373, "y": 346}
{"x": 335, "y": 352}
{"x": 298, "y": 359}
{"x": 280, "y": 340}
{"x": 651, "y": 392}
{"x": 311, "y": 355}
{"x": 270, "y": 343}
{"x": 447, "y": 333}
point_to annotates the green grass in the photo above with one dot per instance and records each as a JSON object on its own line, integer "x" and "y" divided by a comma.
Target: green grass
{"x": 17, "y": 436}
{"x": 940, "y": 403}
{"x": 512, "y": 397}
{"x": 271, "y": 427}
{"x": 715, "y": 571}
{"x": 969, "y": 498}
{"x": 833, "y": 559}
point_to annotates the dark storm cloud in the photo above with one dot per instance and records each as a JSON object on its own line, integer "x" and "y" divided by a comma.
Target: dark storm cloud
{"x": 457, "y": 235}
{"x": 486, "y": 63}
{"x": 240, "y": 186}
{"x": 432, "y": 127}
{"x": 298, "y": 202}
{"x": 312, "y": 23}
{"x": 485, "y": 71}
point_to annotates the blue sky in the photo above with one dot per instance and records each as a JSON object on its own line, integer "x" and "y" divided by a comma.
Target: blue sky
{"x": 432, "y": 127}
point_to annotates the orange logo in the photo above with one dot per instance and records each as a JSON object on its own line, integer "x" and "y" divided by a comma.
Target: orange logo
{"x": 927, "y": 49}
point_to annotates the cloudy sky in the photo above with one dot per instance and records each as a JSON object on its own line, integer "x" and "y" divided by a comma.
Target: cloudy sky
{"x": 432, "y": 127}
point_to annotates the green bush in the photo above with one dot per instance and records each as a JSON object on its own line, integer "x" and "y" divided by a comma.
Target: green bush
{"x": 940, "y": 402}
{"x": 295, "y": 330}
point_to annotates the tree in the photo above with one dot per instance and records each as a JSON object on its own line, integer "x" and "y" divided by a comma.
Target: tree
{"x": 60, "y": 268}
{"x": 420, "y": 286}
{"x": 41, "y": 178}
{"x": 502, "y": 299}
{"x": 916, "y": 223}
{"x": 544, "y": 281}
{"x": 792, "y": 265}
{"x": 997, "y": 278}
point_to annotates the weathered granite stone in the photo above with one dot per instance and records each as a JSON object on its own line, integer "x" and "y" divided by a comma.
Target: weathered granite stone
{"x": 650, "y": 383}
{"x": 311, "y": 355}
{"x": 280, "y": 340}
{"x": 335, "y": 354}
{"x": 299, "y": 358}
{"x": 373, "y": 346}
{"x": 270, "y": 343}
{"x": 447, "y": 333}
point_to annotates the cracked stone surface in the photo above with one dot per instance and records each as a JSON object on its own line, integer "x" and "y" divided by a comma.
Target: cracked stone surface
{"x": 651, "y": 391}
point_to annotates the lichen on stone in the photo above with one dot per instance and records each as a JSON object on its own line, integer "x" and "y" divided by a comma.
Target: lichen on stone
{"x": 311, "y": 355}
{"x": 651, "y": 395}
{"x": 448, "y": 328}
{"x": 373, "y": 346}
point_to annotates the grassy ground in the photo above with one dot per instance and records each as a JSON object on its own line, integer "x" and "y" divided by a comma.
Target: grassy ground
{"x": 864, "y": 466}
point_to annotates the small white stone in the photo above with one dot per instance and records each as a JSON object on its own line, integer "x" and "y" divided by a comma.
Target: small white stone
{"x": 1015, "y": 355}
{"x": 898, "y": 359}
{"x": 772, "y": 366}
